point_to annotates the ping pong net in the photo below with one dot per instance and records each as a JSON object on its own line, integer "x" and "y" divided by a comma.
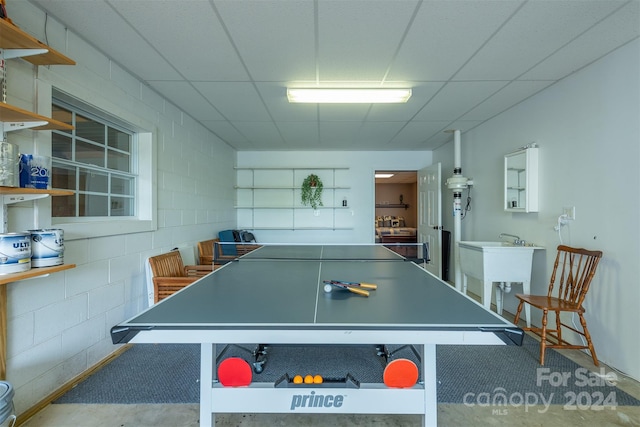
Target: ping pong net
{"x": 225, "y": 252}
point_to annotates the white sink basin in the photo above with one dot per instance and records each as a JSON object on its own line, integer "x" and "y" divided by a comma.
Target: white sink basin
{"x": 492, "y": 262}
{"x": 488, "y": 245}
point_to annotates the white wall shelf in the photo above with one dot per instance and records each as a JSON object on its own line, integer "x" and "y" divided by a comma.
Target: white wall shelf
{"x": 268, "y": 198}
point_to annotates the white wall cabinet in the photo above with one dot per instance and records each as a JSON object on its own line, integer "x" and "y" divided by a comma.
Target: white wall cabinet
{"x": 269, "y": 199}
{"x": 521, "y": 181}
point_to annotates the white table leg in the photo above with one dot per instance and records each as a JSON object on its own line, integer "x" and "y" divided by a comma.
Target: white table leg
{"x": 206, "y": 383}
{"x": 430, "y": 386}
{"x": 464, "y": 284}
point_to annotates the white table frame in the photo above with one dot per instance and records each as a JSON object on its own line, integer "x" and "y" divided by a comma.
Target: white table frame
{"x": 368, "y": 399}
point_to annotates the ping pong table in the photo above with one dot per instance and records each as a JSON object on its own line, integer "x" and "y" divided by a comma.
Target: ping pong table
{"x": 275, "y": 294}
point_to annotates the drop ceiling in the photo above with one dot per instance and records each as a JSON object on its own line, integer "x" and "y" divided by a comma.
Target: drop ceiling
{"x": 228, "y": 63}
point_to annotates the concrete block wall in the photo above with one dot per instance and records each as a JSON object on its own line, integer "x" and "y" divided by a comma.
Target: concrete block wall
{"x": 58, "y": 326}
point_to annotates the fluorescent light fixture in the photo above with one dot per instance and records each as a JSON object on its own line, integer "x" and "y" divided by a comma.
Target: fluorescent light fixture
{"x": 383, "y": 175}
{"x": 348, "y": 96}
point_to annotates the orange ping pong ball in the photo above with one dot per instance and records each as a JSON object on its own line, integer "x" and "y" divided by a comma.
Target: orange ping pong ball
{"x": 308, "y": 379}
{"x": 317, "y": 379}
{"x": 297, "y": 379}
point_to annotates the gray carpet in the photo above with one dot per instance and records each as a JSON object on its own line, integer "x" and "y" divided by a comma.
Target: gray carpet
{"x": 169, "y": 373}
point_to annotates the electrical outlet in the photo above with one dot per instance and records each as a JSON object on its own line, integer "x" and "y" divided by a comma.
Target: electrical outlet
{"x": 570, "y": 212}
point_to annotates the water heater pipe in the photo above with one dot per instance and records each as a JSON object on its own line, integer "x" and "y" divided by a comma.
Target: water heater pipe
{"x": 457, "y": 183}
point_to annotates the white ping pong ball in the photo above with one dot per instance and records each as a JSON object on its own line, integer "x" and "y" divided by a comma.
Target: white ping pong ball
{"x": 327, "y": 288}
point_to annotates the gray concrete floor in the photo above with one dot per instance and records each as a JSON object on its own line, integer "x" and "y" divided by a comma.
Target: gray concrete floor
{"x": 82, "y": 415}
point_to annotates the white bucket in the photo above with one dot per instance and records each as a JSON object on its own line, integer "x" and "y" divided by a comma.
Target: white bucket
{"x": 15, "y": 252}
{"x": 47, "y": 247}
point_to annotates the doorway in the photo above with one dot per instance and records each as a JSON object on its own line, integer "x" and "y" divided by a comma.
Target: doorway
{"x": 396, "y": 209}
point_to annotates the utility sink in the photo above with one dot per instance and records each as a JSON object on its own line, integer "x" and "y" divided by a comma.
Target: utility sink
{"x": 501, "y": 262}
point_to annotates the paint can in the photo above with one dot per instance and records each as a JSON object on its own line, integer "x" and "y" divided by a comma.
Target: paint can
{"x": 7, "y": 411}
{"x": 47, "y": 247}
{"x": 15, "y": 252}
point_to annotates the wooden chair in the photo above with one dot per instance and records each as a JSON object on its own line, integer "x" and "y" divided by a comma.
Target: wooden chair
{"x": 206, "y": 251}
{"x": 170, "y": 274}
{"x": 572, "y": 271}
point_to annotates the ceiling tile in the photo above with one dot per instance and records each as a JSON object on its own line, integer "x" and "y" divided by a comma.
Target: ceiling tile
{"x": 416, "y": 132}
{"x": 358, "y": 39}
{"x": 421, "y": 92}
{"x": 621, "y": 26}
{"x": 189, "y": 36}
{"x": 505, "y": 98}
{"x": 456, "y": 98}
{"x": 445, "y": 34}
{"x": 226, "y": 131}
{"x": 275, "y": 96}
{"x": 236, "y": 101}
{"x": 261, "y": 133}
{"x": 343, "y": 112}
{"x": 536, "y": 31}
{"x": 187, "y": 98}
{"x": 303, "y": 134}
{"x": 275, "y": 39}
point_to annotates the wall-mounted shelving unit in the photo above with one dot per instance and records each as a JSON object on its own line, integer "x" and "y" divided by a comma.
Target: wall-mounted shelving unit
{"x": 269, "y": 199}
{"x": 15, "y": 43}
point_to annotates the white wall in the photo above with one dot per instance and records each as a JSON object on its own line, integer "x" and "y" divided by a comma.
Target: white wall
{"x": 58, "y": 326}
{"x": 588, "y": 130}
{"x": 361, "y": 197}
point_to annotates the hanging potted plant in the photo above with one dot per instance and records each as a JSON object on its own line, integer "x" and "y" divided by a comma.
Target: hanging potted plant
{"x": 312, "y": 191}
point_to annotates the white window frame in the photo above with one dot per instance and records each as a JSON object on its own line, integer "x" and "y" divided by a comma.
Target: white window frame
{"x": 145, "y": 200}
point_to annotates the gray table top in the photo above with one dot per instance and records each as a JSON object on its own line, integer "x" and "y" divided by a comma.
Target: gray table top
{"x": 270, "y": 290}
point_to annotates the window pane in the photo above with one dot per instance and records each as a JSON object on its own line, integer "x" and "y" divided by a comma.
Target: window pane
{"x": 89, "y": 129}
{"x": 89, "y": 153}
{"x": 62, "y": 115}
{"x": 119, "y": 140}
{"x": 121, "y": 206}
{"x": 96, "y": 160}
{"x": 63, "y": 177}
{"x": 63, "y": 206}
{"x": 61, "y": 146}
{"x": 118, "y": 161}
{"x": 91, "y": 205}
{"x": 120, "y": 185}
{"x": 93, "y": 181}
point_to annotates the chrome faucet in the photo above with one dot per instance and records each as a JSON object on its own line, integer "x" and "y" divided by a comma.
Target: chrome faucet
{"x": 518, "y": 241}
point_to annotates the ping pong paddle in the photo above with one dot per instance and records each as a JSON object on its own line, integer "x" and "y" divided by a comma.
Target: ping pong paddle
{"x": 359, "y": 284}
{"x": 234, "y": 372}
{"x": 400, "y": 373}
{"x": 354, "y": 289}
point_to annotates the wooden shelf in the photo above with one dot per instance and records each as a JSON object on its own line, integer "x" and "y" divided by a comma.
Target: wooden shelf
{"x": 9, "y": 113}
{"x": 33, "y": 272}
{"x": 401, "y": 205}
{"x": 12, "y": 37}
{"x": 19, "y": 190}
